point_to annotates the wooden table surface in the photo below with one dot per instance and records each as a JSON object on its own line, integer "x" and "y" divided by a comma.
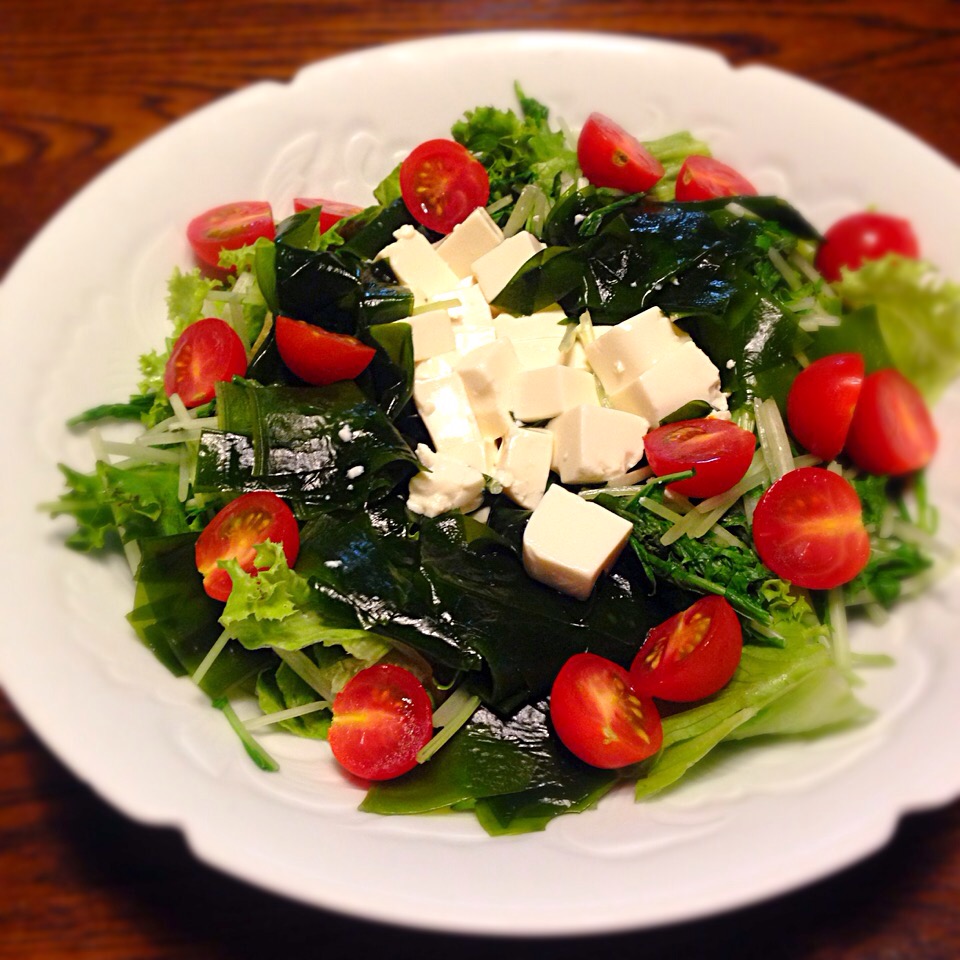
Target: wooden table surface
{"x": 80, "y": 84}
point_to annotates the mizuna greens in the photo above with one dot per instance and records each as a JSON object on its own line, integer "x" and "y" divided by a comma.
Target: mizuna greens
{"x": 447, "y": 596}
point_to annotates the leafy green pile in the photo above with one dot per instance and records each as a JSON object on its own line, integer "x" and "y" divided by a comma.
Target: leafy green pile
{"x": 448, "y": 596}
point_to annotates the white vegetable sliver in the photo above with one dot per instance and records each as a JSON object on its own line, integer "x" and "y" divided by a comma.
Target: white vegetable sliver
{"x": 840, "y": 635}
{"x": 211, "y": 656}
{"x": 452, "y": 706}
{"x": 786, "y": 271}
{"x": 774, "y": 442}
{"x": 268, "y": 719}
{"x": 141, "y": 452}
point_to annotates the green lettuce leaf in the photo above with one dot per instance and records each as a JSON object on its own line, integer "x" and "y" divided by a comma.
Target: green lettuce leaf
{"x": 85, "y": 501}
{"x": 671, "y": 151}
{"x": 766, "y": 690}
{"x": 919, "y": 316}
{"x": 518, "y": 149}
{"x": 112, "y": 504}
{"x": 278, "y": 608}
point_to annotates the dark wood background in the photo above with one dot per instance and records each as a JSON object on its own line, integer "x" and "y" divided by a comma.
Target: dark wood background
{"x": 83, "y": 82}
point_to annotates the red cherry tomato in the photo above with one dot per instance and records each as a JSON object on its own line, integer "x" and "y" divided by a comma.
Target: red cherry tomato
{"x": 690, "y": 656}
{"x": 235, "y": 533}
{"x": 597, "y": 715}
{"x": 331, "y": 211}
{"x": 207, "y": 351}
{"x": 318, "y": 356}
{"x": 864, "y": 236}
{"x": 808, "y": 529}
{"x": 229, "y": 227}
{"x": 441, "y": 183}
{"x": 381, "y": 720}
{"x": 821, "y": 402}
{"x": 718, "y": 450}
{"x": 892, "y": 431}
{"x": 704, "y": 178}
{"x": 611, "y": 157}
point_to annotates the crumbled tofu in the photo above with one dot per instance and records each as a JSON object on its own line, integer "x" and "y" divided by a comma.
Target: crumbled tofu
{"x": 442, "y": 402}
{"x": 445, "y": 484}
{"x": 569, "y": 542}
{"x": 417, "y": 265}
{"x": 682, "y": 375}
{"x": 545, "y": 393}
{"x": 593, "y": 444}
{"x": 432, "y": 334}
{"x": 495, "y": 269}
{"x": 469, "y": 241}
{"x": 632, "y": 347}
{"x": 487, "y": 373}
{"x": 523, "y": 466}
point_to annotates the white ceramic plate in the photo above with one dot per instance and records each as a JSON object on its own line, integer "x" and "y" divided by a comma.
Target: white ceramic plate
{"x": 88, "y": 296}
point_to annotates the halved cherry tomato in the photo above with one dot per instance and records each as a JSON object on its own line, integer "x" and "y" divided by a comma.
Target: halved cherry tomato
{"x": 597, "y": 715}
{"x": 441, "y": 183}
{"x": 318, "y": 356}
{"x": 821, "y": 402}
{"x": 864, "y": 236}
{"x": 690, "y": 656}
{"x": 381, "y": 719}
{"x": 229, "y": 227}
{"x": 207, "y": 351}
{"x": 331, "y": 211}
{"x": 235, "y": 533}
{"x": 705, "y": 178}
{"x": 611, "y": 157}
{"x": 717, "y": 450}
{"x": 808, "y": 529}
{"x": 892, "y": 431}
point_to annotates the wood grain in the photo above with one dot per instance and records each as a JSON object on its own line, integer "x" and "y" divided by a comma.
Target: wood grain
{"x": 81, "y": 84}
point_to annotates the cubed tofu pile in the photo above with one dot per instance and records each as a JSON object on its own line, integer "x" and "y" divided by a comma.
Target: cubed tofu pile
{"x": 482, "y": 379}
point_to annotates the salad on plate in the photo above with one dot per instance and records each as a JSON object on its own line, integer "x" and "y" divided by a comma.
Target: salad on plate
{"x": 563, "y": 462}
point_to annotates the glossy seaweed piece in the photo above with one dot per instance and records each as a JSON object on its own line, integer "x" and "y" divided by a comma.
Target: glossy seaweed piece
{"x": 322, "y": 448}
{"x": 179, "y": 623}
{"x": 457, "y": 592}
{"x": 509, "y": 769}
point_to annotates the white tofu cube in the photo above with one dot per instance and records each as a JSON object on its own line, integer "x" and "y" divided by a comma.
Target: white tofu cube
{"x": 417, "y": 265}
{"x": 442, "y": 403}
{"x": 469, "y": 241}
{"x": 630, "y": 348}
{"x": 487, "y": 373}
{"x": 542, "y": 324}
{"x": 467, "y": 306}
{"x": 593, "y": 444}
{"x": 479, "y": 454}
{"x": 523, "y": 466}
{"x": 542, "y": 352}
{"x": 680, "y": 376}
{"x": 569, "y": 542}
{"x": 545, "y": 393}
{"x": 495, "y": 269}
{"x": 470, "y": 313}
{"x": 445, "y": 484}
{"x": 432, "y": 334}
